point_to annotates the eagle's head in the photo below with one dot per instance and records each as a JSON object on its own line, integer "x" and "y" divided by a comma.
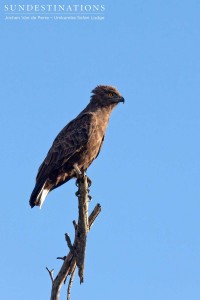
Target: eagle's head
{"x": 105, "y": 95}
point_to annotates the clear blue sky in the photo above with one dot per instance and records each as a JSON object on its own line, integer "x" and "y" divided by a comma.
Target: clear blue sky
{"x": 146, "y": 242}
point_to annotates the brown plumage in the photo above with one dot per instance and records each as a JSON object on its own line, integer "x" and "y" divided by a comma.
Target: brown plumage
{"x": 79, "y": 142}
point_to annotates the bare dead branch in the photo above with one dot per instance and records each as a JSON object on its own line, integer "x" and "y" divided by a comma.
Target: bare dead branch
{"x": 75, "y": 225}
{"x": 77, "y": 251}
{"x": 69, "y": 243}
{"x": 82, "y": 227}
{"x": 94, "y": 214}
{"x": 70, "y": 283}
{"x": 50, "y": 273}
{"x": 63, "y": 258}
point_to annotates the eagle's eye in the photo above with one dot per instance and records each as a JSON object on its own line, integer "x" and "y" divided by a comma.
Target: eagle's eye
{"x": 110, "y": 94}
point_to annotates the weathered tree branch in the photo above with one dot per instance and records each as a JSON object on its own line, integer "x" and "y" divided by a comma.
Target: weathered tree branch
{"x": 77, "y": 251}
{"x": 50, "y": 274}
{"x": 82, "y": 227}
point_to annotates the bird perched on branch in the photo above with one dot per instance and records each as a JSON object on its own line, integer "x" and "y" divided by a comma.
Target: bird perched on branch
{"x": 77, "y": 145}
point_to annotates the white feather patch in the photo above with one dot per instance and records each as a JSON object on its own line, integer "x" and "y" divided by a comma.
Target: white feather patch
{"x": 41, "y": 196}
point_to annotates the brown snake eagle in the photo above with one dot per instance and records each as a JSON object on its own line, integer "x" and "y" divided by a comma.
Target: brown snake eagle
{"x": 77, "y": 144}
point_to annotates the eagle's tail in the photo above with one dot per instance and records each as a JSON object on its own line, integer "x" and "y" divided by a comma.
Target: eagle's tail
{"x": 38, "y": 195}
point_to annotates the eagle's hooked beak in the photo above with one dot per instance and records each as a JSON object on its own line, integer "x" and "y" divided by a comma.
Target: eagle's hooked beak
{"x": 120, "y": 99}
